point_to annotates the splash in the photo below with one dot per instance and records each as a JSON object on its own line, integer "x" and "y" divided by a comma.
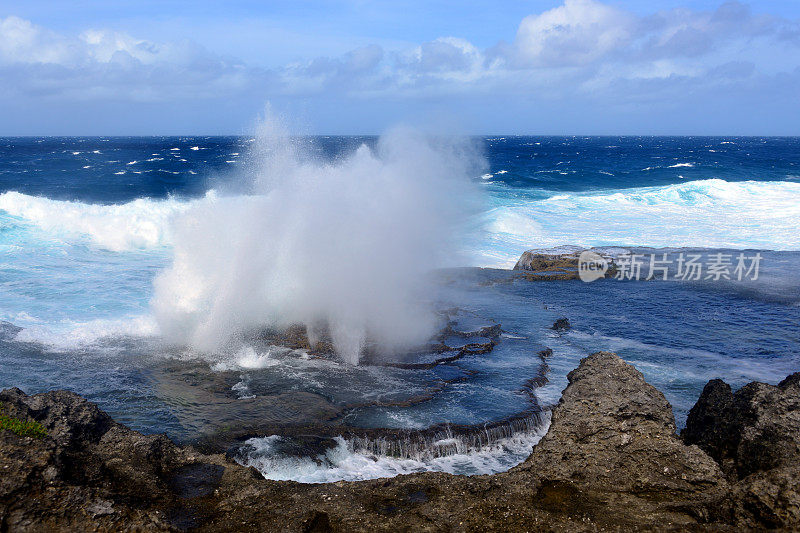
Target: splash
{"x": 342, "y": 244}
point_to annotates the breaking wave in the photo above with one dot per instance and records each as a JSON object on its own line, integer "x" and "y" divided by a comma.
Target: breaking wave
{"x": 141, "y": 224}
{"x": 352, "y": 459}
{"x": 710, "y": 213}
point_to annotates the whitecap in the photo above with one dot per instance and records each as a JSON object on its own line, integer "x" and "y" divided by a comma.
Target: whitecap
{"x": 140, "y": 224}
{"x": 75, "y": 335}
{"x": 702, "y": 213}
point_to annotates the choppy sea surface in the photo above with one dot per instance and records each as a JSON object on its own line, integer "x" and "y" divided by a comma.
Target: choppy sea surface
{"x": 87, "y": 223}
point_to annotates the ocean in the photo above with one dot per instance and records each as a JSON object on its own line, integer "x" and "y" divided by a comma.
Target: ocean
{"x": 127, "y": 263}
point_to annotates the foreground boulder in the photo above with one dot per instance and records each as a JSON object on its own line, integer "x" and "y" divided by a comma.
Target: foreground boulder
{"x": 755, "y": 429}
{"x": 610, "y": 460}
{"x": 612, "y": 445}
{"x": 754, "y": 435}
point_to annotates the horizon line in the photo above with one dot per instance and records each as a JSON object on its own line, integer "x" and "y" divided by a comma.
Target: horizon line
{"x": 482, "y": 135}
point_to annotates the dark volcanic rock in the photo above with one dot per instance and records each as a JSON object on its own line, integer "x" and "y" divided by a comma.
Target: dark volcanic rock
{"x": 755, "y": 429}
{"x": 610, "y": 460}
{"x": 8, "y": 330}
{"x": 562, "y": 324}
{"x": 710, "y": 424}
{"x": 754, "y": 435}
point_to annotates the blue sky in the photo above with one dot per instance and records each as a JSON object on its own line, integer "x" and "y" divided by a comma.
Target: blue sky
{"x": 537, "y": 66}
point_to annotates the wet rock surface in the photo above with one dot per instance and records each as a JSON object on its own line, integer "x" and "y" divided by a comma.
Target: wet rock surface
{"x": 610, "y": 460}
{"x": 220, "y": 405}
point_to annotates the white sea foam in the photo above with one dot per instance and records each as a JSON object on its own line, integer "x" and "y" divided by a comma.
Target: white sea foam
{"x": 345, "y": 462}
{"x": 705, "y": 213}
{"x": 72, "y": 335}
{"x": 139, "y": 224}
{"x": 247, "y": 358}
{"x": 344, "y": 244}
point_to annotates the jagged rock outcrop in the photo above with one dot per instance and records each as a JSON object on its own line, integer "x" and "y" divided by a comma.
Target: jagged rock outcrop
{"x": 754, "y": 434}
{"x": 755, "y": 429}
{"x": 610, "y": 460}
{"x": 612, "y": 439}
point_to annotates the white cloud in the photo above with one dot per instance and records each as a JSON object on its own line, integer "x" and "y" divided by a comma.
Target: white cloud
{"x": 105, "y": 64}
{"x": 22, "y": 42}
{"x": 446, "y": 54}
{"x": 575, "y": 33}
{"x": 580, "y": 47}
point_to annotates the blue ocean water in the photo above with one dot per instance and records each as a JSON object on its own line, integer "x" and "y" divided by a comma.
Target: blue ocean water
{"x": 86, "y": 224}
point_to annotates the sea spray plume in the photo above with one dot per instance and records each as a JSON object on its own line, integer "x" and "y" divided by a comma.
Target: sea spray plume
{"x": 345, "y": 243}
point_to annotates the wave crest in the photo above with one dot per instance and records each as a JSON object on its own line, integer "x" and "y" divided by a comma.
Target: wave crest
{"x": 141, "y": 224}
{"x": 711, "y": 213}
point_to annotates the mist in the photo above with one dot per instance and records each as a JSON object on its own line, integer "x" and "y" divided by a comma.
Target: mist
{"x": 344, "y": 245}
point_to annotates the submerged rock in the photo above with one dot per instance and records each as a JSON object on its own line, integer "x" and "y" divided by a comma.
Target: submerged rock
{"x": 610, "y": 460}
{"x": 8, "y": 330}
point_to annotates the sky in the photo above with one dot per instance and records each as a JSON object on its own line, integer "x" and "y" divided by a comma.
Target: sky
{"x": 541, "y": 67}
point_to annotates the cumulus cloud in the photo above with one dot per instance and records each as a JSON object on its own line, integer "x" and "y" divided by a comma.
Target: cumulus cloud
{"x": 576, "y": 33}
{"x": 581, "y": 46}
{"x": 446, "y": 54}
{"x": 22, "y": 42}
{"x": 106, "y": 64}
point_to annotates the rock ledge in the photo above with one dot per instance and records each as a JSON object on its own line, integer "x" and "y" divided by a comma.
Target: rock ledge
{"x": 610, "y": 460}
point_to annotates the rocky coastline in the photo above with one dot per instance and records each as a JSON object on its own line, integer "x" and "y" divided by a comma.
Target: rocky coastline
{"x": 611, "y": 459}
